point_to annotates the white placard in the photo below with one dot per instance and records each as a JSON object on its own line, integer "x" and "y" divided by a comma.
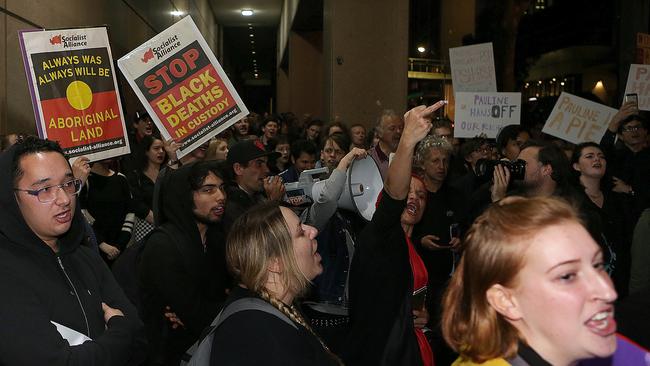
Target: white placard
{"x": 472, "y": 68}
{"x": 638, "y": 82}
{"x": 578, "y": 120}
{"x": 485, "y": 114}
{"x": 181, "y": 84}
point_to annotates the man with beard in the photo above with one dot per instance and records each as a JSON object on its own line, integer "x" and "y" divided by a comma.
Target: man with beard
{"x": 547, "y": 174}
{"x": 389, "y": 130}
{"x": 182, "y": 273}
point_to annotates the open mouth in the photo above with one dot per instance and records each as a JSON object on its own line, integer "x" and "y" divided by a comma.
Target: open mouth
{"x": 411, "y": 209}
{"x": 603, "y": 323}
{"x": 63, "y": 217}
{"x": 218, "y": 211}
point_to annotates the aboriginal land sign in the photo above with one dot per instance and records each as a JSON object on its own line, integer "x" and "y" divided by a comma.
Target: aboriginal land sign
{"x": 74, "y": 91}
{"x": 472, "y": 68}
{"x": 485, "y": 114}
{"x": 578, "y": 120}
{"x": 181, "y": 84}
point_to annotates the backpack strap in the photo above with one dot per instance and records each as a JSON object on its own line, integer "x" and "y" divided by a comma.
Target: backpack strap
{"x": 199, "y": 352}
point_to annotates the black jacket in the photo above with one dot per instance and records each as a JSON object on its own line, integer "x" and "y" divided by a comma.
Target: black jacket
{"x": 381, "y": 287}
{"x": 175, "y": 271}
{"x": 40, "y": 286}
{"x": 254, "y": 337}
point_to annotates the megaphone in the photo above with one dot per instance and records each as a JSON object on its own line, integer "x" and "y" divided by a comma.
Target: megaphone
{"x": 363, "y": 183}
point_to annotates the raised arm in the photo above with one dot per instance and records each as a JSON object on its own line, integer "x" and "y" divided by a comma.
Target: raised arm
{"x": 417, "y": 123}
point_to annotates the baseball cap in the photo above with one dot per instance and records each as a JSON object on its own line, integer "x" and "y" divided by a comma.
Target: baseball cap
{"x": 139, "y": 115}
{"x": 247, "y": 150}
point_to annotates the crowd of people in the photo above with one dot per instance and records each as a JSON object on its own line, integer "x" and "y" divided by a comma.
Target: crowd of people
{"x": 503, "y": 251}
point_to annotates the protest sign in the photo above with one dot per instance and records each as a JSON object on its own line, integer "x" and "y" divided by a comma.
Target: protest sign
{"x": 74, "y": 91}
{"x": 182, "y": 86}
{"x": 578, "y": 120}
{"x": 485, "y": 113}
{"x": 472, "y": 68}
{"x": 638, "y": 82}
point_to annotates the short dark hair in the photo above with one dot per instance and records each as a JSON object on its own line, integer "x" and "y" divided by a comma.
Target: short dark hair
{"x": 200, "y": 170}
{"x": 634, "y": 117}
{"x": 507, "y": 134}
{"x": 550, "y": 154}
{"x": 300, "y": 146}
{"x": 271, "y": 118}
{"x": 340, "y": 139}
{"x": 31, "y": 145}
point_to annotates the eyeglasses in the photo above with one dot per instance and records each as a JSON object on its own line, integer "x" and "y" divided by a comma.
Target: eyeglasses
{"x": 48, "y": 194}
{"x": 631, "y": 128}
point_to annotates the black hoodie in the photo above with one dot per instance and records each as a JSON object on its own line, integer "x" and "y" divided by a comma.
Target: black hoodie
{"x": 176, "y": 271}
{"x": 40, "y": 286}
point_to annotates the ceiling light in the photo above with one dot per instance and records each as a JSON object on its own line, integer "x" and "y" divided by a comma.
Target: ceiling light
{"x": 251, "y": 35}
{"x": 176, "y": 13}
{"x": 256, "y": 76}
{"x": 562, "y": 83}
{"x": 252, "y": 41}
{"x": 253, "y": 52}
{"x": 421, "y": 49}
{"x": 532, "y": 99}
{"x": 247, "y": 12}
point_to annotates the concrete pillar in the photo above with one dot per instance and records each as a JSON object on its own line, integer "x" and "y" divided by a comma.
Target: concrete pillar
{"x": 300, "y": 86}
{"x": 365, "y": 50}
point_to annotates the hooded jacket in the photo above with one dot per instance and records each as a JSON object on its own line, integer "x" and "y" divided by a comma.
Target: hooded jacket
{"x": 40, "y": 286}
{"x": 176, "y": 271}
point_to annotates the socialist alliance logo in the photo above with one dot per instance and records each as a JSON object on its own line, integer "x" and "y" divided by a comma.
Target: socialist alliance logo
{"x": 148, "y": 55}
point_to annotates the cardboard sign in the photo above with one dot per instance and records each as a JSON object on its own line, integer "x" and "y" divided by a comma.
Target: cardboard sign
{"x": 638, "y": 82}
{"x": 179, "y": 81}
{"x": 472, "y": 68}
{"x": 578, "y": 120}
{"x": 74, "y": 91}
{"x": 485, "y": 113}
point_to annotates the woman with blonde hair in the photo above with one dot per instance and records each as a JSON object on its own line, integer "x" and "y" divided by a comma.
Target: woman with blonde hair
{"x": 273, "y": 257}
{"x": 531, "y": 289}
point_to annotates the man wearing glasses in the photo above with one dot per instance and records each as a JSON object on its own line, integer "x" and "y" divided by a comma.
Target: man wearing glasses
{"x": 61, "y": 304}
{"x": 630, "y": 168}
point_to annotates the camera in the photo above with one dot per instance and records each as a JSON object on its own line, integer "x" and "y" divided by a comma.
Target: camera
{"x": 634, "y": 98}
{"x": 517, "y": 168}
